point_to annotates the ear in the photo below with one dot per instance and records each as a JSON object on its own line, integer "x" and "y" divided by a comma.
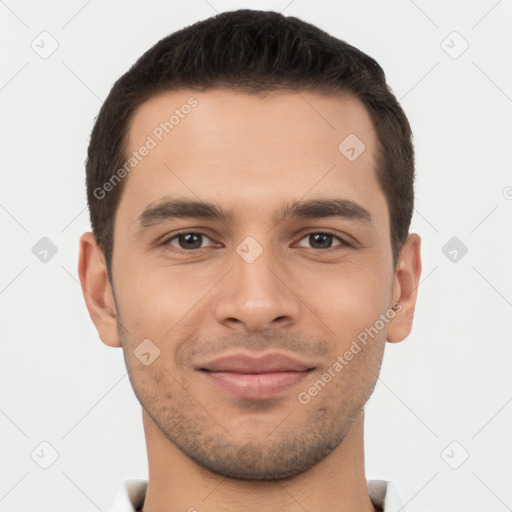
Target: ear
{"x": 405, "y": 289}
{"x": 97, "y": 290}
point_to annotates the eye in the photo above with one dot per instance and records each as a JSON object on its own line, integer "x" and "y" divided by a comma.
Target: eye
{"x": 187, "y": 241}
{"x": 323, "y": 240}
{"x": 192, "y": 240}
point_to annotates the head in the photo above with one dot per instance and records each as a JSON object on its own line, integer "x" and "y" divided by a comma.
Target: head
{"x": 250, "y": 186}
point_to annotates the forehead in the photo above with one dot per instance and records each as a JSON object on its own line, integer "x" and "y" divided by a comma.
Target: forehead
{"x": 227, "y": 114}
{"x": 250, "y": 148}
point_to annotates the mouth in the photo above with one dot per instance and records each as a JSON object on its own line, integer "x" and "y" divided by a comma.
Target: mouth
{"x": 258, "y": 378}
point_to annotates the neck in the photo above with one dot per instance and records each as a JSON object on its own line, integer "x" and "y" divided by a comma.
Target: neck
{"x": 177, "y": 483}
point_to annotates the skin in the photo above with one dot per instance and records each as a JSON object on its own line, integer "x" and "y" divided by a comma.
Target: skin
{"x": 207, "y": 449}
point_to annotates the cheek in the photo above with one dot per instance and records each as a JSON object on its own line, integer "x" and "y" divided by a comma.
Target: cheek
{"x": 352, "y": 299}
{"x": 154, "y": 299}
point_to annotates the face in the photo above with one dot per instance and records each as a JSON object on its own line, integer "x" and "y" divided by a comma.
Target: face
{"x": 263, "y": 278}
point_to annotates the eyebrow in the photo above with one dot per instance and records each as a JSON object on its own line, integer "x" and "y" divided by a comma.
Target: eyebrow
{"x": 177, "y": 208}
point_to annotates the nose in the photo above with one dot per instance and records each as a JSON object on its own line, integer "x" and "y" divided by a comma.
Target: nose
{"x": 257, "y": 295}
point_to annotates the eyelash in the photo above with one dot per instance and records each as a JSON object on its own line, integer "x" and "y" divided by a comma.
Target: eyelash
{"x": 343, "y": 242}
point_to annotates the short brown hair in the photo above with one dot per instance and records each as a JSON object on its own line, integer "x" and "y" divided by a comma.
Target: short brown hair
{"x": 252, "y": 51}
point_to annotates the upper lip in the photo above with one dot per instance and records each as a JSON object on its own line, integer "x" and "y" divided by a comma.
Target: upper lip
{"x": 246, "y": 363}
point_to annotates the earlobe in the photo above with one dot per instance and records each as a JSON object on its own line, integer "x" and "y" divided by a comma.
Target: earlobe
{"x": 97, "y": 290}
{"x": 405, "y": 289}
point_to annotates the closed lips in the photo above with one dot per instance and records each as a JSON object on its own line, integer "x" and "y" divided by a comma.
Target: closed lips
{"x": 244, "y": 363}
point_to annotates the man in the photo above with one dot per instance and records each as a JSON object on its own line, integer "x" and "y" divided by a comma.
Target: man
{"x": 250, "y": 185}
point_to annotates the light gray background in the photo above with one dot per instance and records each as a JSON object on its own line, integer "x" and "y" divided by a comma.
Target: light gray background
{"x": 449, "y": 381}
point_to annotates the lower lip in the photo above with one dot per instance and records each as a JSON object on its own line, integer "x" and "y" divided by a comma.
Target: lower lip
{"x": 256, "y": 385}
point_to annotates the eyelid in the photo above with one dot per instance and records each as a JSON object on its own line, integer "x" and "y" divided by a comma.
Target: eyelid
{"x": 166, "y": 240}
{"x": 343, "y": 241}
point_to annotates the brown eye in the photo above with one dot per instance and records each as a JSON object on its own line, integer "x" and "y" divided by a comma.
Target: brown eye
{"x": 187, "y": 241}
{"x": 323, "y": 240}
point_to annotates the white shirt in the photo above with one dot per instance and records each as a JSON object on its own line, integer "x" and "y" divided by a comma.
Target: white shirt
{"x": 131, "y": 494}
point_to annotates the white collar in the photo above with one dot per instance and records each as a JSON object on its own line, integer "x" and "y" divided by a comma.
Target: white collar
{"x": 131, "y": 494}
